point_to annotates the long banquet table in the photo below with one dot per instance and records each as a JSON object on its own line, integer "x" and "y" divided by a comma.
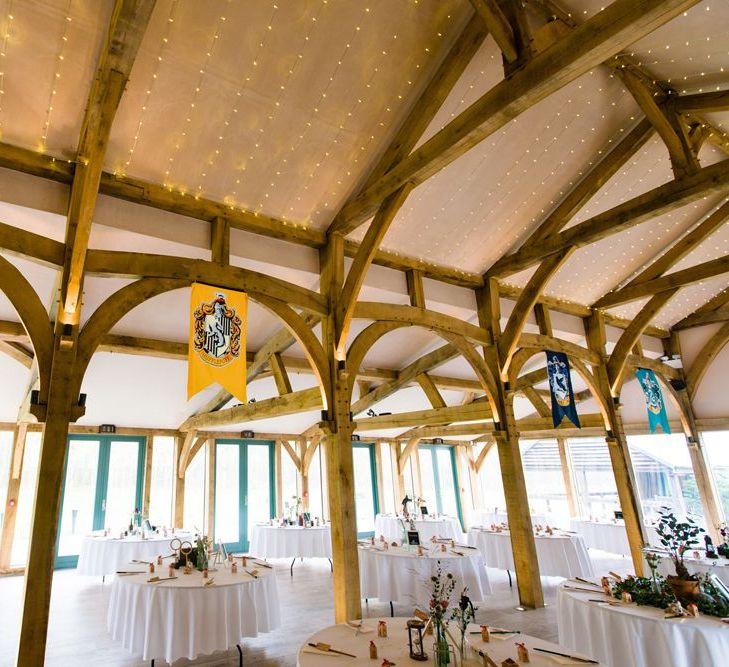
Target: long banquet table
{"x": 101, "y": 556}
{"x": 626, "y": 635}
{"x": 488, "y": 518}
{"x": 291, "y": 541}
{"x": 559, "y": 555}
{"x": 391, "y": 527}
{"x": 701, "y": 565}
{"x": 183, "y": 618}
{"x": 608, "y": 535}
{"x": 398, "y": 574}
{"x": 394, "y": 647}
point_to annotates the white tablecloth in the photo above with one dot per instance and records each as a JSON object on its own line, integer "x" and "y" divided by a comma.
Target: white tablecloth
{"x": 632, "y": 636}
{"x": 394, "y": 647}
{"x": 719, "y": 566}
{"x": 400, "y": 575}
{"x": 609, "y": 536}
{"x": 558, "y": 555}
{"x": 446, "y": 527}
{"x": 487, "y": 518}
{"x": 291, "y": 542}
{"x": 101, "y": 556}
{"x": 182, "y": 619}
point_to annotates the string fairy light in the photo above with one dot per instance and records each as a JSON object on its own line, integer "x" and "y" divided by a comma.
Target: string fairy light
{"x": 10, "y": 17}
{"x": 59, "y": 59}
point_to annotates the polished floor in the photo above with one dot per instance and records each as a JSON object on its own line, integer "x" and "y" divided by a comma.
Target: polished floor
{"x": 78, "y": 635}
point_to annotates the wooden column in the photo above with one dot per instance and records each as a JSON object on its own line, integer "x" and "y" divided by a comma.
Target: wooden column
{"x": 11, "y": 501}
{"x": 279, "y": 479}
{"x": 465, "y": 498}
{"x": 568, "y": 476}
{"x": 398, "y": 479}
{"x": 618, "y": 446}
{"x": 148, "y": 453}
{"x": 338, "y": 432}
{"x": 512, "y": 472}
{"x": 210, "y": 516}
{"x": 303, "y": 475}
{"x": 179, "y": 513}
{"x": 61, "y": 409}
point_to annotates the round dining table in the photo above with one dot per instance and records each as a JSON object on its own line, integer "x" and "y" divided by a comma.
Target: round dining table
{"x": 444, "y": 527}
{"x": 626, "y": 635}
{"x": 189, "y": 615}
{"x": 559, "y": 555}
{"x": 101, "y": 556}
{"x": 269, "y": 541}
{"x": 355, "y": 639}
{"x": 399, "y": 574}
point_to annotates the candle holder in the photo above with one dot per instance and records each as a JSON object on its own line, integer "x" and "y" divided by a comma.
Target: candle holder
{"x": 416, "y": 630}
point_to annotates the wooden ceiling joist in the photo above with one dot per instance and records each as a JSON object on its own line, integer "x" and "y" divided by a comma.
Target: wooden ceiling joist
{"x": 711, "y": 102}
{"x": 448, "y": 415}
{"x": 602, "y": 36}
{"x": 128, "y": 23}
{"x": 498, "y": 26}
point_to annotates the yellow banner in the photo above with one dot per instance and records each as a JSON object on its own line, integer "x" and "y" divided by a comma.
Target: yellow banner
{"x": 217, "y": 350}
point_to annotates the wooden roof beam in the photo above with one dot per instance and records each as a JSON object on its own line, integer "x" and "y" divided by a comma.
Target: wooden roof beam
{"x": 711, "y": 307}
{"x": 602, "y": 36}
{"x": 694, "y": 274}
{"x": 716, "y": 100}
{"x": 498, "y": 25}
{"x": 660, "y": 200}
{"x": 447, "y": 415}
{"x": 129, "y": 21}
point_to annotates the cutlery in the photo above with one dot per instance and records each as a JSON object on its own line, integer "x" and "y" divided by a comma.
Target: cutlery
{"x": 567, "y": 655}
{"x": 321, "y": 646}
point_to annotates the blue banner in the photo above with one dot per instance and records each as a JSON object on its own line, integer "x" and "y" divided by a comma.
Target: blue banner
{"x": 653, "y": 400}
{"x": 560, "y": 387}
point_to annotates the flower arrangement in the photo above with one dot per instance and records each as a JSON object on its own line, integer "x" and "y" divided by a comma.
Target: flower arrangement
{"x": 723, "y": 548}
{"x": 441, "y": 592}
{"x": 463, "y": 614}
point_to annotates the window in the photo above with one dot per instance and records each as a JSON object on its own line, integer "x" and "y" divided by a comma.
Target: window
{"x": 162, "y": 484}
{"x": 489, "y": 478}
{"x": 716, "y": 445}
{"x": 594, "y": 477}
{"x": 389, "y": 502}
{"x": 665, "y": 477}
{"x": 365, "y": 502}
{"x": 6, "y": 450}
{"x": 545, "y": 481}
{"x": 195, "y": 496}
{"x": 318, "y": 484}
{"x": 26, "y": 500}
{"x": 438, "y": 477}
{"x": 289, "y": 480}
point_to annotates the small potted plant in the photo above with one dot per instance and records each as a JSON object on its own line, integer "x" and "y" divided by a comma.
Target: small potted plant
{"x": 678, "y": 537}
{"x": 723, "y": 548}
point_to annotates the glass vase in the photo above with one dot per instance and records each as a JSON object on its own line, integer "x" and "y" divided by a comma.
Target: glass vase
{"x": 443, "y": 653}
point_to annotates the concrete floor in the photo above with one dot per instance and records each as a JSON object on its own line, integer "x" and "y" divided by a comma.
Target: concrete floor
{"x": 78, "y": 635}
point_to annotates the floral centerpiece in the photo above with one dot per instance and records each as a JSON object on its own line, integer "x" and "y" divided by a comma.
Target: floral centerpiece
{"x": 441, "y": 592}
{"x": 723, "y": 548}
{"x": 463, "y": 614}
{"x": 678, "y": 537}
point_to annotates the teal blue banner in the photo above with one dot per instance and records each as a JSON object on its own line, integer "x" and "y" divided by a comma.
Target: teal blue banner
{"x": 653, "y": 400}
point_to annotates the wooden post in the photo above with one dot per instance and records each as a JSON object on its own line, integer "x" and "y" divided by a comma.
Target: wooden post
{"x": 303, "y": 475}
{"x": 523, "y": 546}
{"x": 60, "y": 411}
{"x": 210, "y": 516}
{"x": 398, "y": 479}
{"x": 568, "y": 476}
{"x": 465, "y": 498}
{"x": 11, "y": 502}
{"x": 338, "y": 432}
{"x": 279, "y": 479}
{"x": 148, "y": 453}
{"x": 179, "y": 513}
{"x": 618, "y": 446}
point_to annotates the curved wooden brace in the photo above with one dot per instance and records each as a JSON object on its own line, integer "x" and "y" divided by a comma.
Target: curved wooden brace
{"x": 190, "y": 447}
{"x": 629, "y": 337}
{"x": 541, "y": 342}
{"x": 420, "y": 317}
{"x": 680, "y": 405}
{"x": 34, "y": 317}
{"x": 369, "y": 336}
{"x": 705, "y": 357}
{"x": 579, "y": 365}
{"x": 131, "y": 296}
{"x": 126, "y": 264}
{"x": 303, "y": 333}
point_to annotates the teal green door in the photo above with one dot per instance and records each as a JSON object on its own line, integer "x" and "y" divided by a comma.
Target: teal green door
{"x": 245, "y": 489}
{"x": 439, "y": 479}
{"x": 102, "y": 486}
{"x": 365, "y": 488}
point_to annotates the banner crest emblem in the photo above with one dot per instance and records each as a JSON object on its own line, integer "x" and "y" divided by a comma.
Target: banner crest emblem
{"x": 217, "y": 332}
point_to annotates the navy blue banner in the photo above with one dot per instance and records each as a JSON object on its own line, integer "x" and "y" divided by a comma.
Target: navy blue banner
{"x": 560, "y": 387}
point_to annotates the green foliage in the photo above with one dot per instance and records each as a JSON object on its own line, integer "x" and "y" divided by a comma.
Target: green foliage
{"x": 677, "y": 537}
{"x": 644, "y": 591}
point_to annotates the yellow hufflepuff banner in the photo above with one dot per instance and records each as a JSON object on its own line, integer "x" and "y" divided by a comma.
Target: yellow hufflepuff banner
{"x": 217, "y": 351}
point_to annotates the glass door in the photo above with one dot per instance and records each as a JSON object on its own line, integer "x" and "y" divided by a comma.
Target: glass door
{"x": 438, "y": 469}
{"x": 244, "y": 489}
{"x": 102, "y": 487}
{"x": 365, "y": 488}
